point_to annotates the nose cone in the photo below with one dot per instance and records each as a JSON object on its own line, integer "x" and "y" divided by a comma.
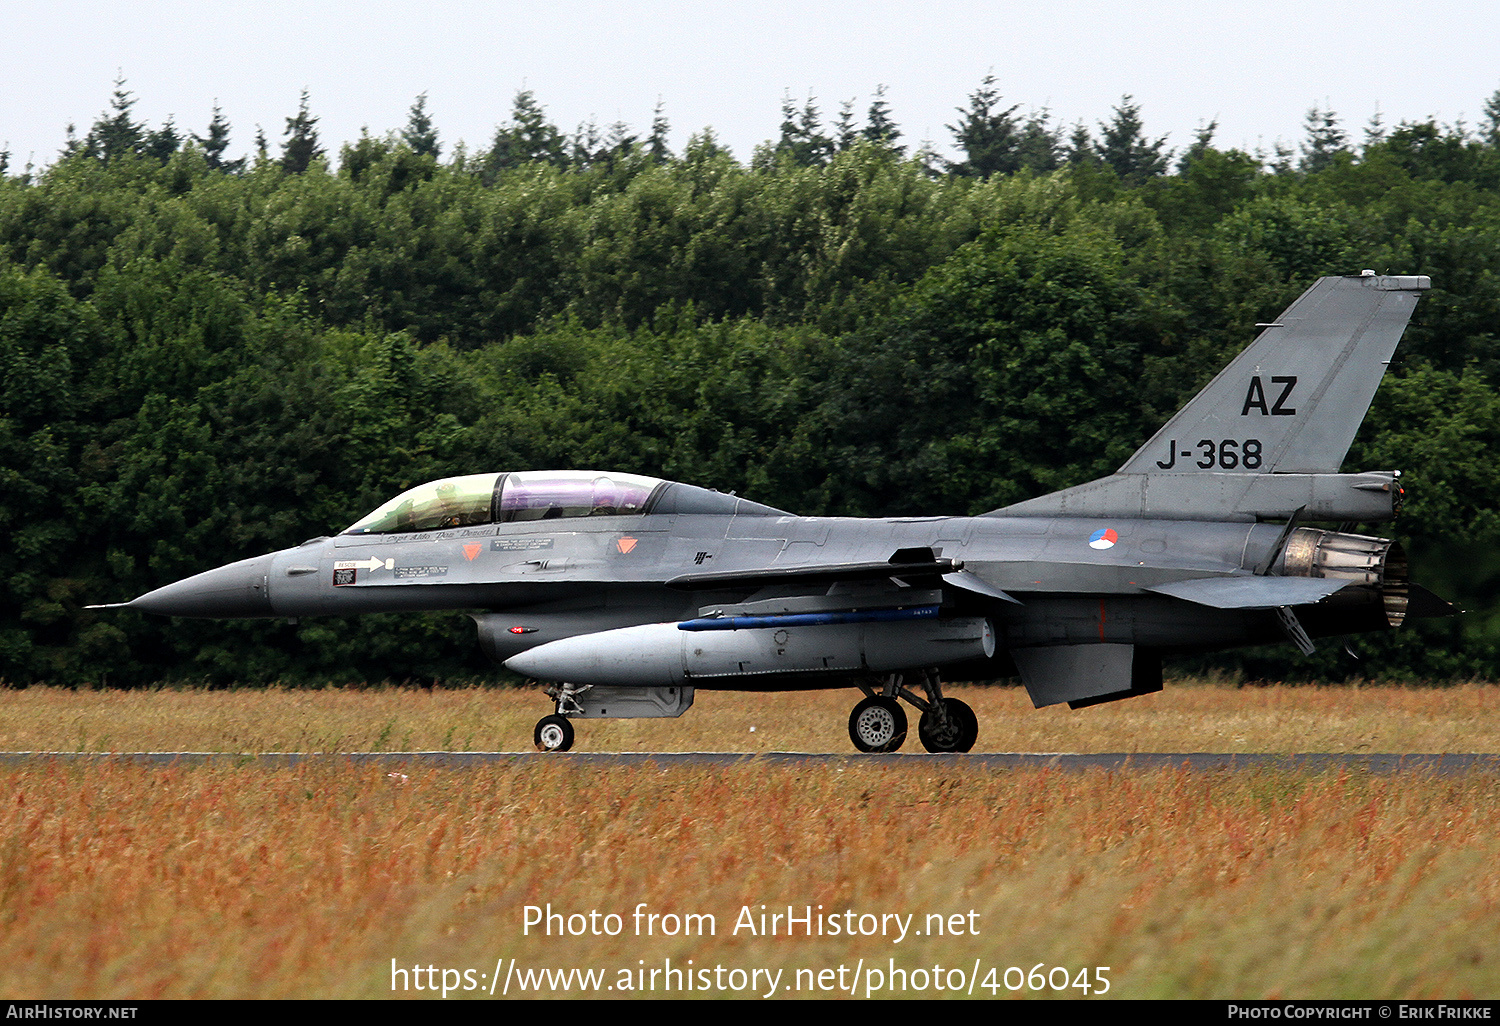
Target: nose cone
{"x": 239, "y": 589}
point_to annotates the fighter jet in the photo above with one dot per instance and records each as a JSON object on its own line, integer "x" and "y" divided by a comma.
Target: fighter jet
{"x": 626, "y": 594}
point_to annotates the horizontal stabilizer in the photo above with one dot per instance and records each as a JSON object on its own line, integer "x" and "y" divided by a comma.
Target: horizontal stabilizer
{"x": 1422, "y": 603}
{"x": 1252, "y": 592}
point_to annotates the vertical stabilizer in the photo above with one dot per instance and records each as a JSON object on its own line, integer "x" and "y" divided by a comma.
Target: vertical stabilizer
{"x": 1268, "y": 435}
{"x": 1292, "y": 401}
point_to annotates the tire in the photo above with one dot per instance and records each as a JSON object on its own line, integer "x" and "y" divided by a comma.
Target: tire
{"x": 553, "y": 734}
{"x": 961, "y": 733}
{"x": 877, "y": 724}
{"x": 971, "y": 724}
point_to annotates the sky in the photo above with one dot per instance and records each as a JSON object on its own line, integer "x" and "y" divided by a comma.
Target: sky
{"x": 1254, "y": 68}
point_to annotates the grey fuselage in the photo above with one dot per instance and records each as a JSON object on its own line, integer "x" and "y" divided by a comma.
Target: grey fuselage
{"x": 536, "y": 582}
{"x": 609, "y": 580}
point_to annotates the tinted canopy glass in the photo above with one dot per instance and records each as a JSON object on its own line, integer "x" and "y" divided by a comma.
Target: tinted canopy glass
{"x": 549, "y": 494}
{"x": 509, "y": 498}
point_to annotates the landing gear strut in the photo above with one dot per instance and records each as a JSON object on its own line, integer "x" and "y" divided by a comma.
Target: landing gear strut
{"x": 555, "y": 733}
{"x": 878, "y": 724}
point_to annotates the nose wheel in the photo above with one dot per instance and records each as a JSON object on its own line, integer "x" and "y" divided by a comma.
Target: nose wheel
{"x": 553, "y": 734}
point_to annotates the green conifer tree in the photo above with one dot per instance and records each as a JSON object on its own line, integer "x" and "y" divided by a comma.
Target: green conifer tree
{"x": 1489, "y": 129}
{"x": 845, "y": 132}
{"x": 802, "y": 137}
{"x": 162, "y": 143}
{"x": 1040, "y": 148}
{"x": 1325, "y": 139}
{"x": 527, "y": 138}
{"x": 880, "y": 128}
{"x": 301, "y": 147}
{"x": 1081, "y": 150}
{"x": 986, "y": 134}
{"x": 216, "y": 142}
{"x": 657, "y": 145}
{"x": 419, "y": 132}
{"x": 116, "y": 133}
{"x": 1203, "y": 139}
{"x": 1124, "y": 147}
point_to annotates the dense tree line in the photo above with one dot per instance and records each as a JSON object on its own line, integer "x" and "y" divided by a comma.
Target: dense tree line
{"x": 204, "y": 358}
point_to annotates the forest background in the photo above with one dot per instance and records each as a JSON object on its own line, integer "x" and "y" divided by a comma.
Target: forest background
{"x": 203, "y": 359}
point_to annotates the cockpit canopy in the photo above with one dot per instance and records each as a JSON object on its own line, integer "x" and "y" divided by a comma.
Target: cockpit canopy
{"x": 509, "y": 498}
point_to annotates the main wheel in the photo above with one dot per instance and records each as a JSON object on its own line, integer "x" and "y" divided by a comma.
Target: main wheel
{"x": 553, "y": 734}
{"x": 971, "y": 724}
{"x": 957, "y": 735}
{"x": 877, "y": 724}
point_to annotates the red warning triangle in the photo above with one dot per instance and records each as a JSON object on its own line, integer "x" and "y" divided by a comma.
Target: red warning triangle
{"x": 625, "y": 544}
{"x": 470, "y": 551}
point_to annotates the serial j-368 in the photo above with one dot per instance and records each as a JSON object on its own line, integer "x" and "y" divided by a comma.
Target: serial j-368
{"x": 628, "y": 593}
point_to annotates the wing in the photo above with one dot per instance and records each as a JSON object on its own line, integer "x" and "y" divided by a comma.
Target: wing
{"x": 824, "y": 573}
{"x": 907, "y": 566}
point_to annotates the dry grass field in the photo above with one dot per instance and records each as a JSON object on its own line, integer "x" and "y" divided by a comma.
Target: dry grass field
{"x": 126, "y": 881}
{"x": 1186, "y": 717}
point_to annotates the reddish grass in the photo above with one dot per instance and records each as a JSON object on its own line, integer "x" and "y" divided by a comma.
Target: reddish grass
{"x": 125, "y": 881}
{"x": 131, "y": 882}
{"x": 1186, "y": 716}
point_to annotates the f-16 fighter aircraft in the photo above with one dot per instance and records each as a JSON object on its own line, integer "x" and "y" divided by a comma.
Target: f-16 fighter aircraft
{"x": 628, "y": 593}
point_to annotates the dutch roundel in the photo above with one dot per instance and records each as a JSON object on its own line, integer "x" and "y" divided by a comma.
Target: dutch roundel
{"x": 1104, "y": 538}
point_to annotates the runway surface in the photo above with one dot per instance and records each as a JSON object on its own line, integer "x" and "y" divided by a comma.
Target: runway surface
{"x": 1445, "y": 764}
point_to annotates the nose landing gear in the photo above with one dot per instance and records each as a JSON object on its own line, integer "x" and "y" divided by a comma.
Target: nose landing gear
{"x": 553, "y": 734}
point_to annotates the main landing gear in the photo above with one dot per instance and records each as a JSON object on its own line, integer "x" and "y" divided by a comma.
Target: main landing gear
{"x": 878, "y": 723}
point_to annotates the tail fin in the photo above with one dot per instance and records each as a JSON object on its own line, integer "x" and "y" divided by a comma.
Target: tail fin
{"x": 1299, "y": 391}
{"x": 1270, "y": 432}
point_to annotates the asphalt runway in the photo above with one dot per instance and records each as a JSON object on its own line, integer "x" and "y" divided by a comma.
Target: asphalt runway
{"x": 1442, "y": 764}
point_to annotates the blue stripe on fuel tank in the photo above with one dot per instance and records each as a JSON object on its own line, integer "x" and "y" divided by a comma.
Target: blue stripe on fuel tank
{"x": 740, "y": 623}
